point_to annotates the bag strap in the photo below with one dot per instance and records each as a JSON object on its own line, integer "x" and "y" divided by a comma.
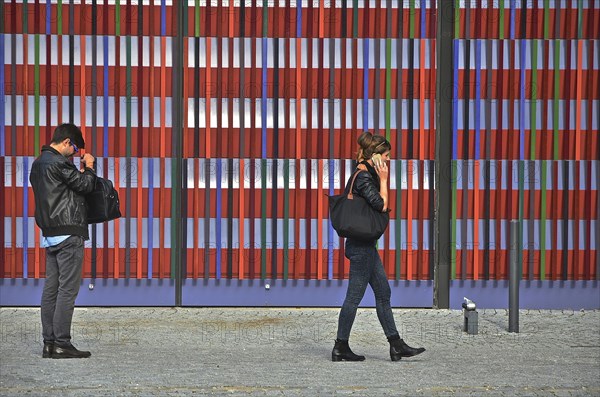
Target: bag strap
{"x": 350, "y": 195}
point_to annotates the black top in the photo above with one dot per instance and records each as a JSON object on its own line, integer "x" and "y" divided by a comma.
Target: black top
{"x": 367, "y": 185}
{"x": 59, "y": 189}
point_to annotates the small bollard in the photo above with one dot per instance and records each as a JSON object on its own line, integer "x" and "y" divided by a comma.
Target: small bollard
{"x": 470, "y": 314}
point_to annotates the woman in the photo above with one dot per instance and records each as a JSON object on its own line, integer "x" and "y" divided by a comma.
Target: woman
{"x": 365, "y": 263}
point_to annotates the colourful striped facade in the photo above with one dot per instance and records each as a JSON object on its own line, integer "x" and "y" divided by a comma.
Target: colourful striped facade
{"x": 275, "y": 94}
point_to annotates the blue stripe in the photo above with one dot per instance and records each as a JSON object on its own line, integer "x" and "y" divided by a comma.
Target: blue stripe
{"x": 366, "y": 85}
{"x": 522, "y": 102}
{"x": 263, "y": 105}
{"x": 105, "y": 110}
{"x": 48, "y": 15}
{"x": 150, "y": 215}
{"x": 512, "y": 19}
{"x": 163, "y": 18}
{"x": 218, "y": 220}
{"x": 298, "y": 19}
{"x": 2, "y": 110}
{"x": 477, "y": 97}
{"x": 455, "y": 103}
{"x": 330, "y": 233}
{"x": 423, "y": 25}
{"x": 25, "y": 217}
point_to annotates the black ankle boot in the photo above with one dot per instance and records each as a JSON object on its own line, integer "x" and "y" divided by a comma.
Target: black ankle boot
{"x": 341, "y": 351}
{"x": 399, "y": 349}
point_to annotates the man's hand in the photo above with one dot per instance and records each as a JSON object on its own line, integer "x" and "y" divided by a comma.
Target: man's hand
{"x": 88, "y": 161}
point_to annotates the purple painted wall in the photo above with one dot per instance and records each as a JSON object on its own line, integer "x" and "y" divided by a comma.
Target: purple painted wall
{"x": 310, "y": 293}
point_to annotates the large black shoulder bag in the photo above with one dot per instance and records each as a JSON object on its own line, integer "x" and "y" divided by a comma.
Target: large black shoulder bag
{"x": 103, "y": 202}
{"x": 353, "y": 217}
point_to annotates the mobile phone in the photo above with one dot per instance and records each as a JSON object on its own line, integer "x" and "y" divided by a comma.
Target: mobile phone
{"x": 377, "y": 160}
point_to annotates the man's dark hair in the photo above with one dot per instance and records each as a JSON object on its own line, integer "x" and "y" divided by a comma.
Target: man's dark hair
{"x": 70, "y": 131}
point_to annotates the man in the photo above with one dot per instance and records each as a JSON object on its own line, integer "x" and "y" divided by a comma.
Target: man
{"x": 60, "y": 211}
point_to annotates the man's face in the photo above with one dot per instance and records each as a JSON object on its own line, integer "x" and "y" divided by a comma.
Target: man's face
{"x": 68, "y": 148}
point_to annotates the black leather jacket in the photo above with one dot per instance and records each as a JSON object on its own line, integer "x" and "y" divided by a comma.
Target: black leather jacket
{"x": 367, "y": 186}
{"x": 59, "y": 189}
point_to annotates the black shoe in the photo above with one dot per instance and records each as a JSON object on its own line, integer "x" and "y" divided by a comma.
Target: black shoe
{"x": 69, "y": 352}
{"x": 341, "y": 351}
{"x": 399, "y": 349}
{"x": 48, "y": 350}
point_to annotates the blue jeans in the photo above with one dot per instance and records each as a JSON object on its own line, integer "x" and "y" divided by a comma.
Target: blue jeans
{"x": 366, "y": 268}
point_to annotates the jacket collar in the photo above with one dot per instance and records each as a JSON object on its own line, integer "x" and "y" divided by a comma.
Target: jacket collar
{"x": 48, "y": 148}
{"x": 371, "y": 170}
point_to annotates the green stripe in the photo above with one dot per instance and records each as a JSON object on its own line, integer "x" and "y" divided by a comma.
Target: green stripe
{"x": 263, "y": 221}
{"x": 286, "y": 218}
{"x": 398, "y": 217}
{"x": 388, "y": 86}
{"x": 546, "y": 18}
{"x": 543, "y": 224}
{"x": 521, "y": 199}
{"x": 501, "y": 19}
{"x": 118, "y": 18}
{"x": 355, "y": 19}
{"x": 453, "y": 178}
{"x": 457, "y": 19}
{"x": 59, "y": 21}
{"x": 25, "y": 15}
{"x": 36, "y": 74}
{"x": 128, "y": 94}
{"x": 580, "y": 19}
{"x": 534, "y": 85}
{"x": 265, "y": 18}
{"x": 411, "y": 23}
{"x": 556, "y": 95}
{"x": 197, "y": 18}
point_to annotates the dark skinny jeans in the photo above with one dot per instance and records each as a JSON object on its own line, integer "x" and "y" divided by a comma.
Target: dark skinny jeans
{"x": 366, "y": 268}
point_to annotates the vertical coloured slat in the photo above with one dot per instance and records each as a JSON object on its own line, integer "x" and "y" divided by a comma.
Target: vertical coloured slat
{"x": 139, "y": 259}
{"x": 476, "y": 160}
{"x": 521, "y": 164}
{"x": 566, "y": 167}
{"x": 94, "y": 111}
{"x": 399, "y": 148}
{"x": 219, "y": 155}
{"x": 589, "y": 156}
{"x": 466, "y": 164}
{"x": 208, "y": 153}
{"x": 308, "y": 261}
{"x": 25, "y": 218}
{"x": 2, "y": 142}
{"x": 286, "y": 144}
{"x": 128, "y": 164}
{"x": 454, "y": 165}
{"x": 252, "y": 149}
{"x": 263, "y": 155}
{"x": 532, "y": 247}
{"x": 298, "y": 118}
{"x": 579, "y": 261}
{"x": 488, "y": 155}
{"x": 117, "y": 234}
{"x": 331, "y": 163}
{"x": 241, "y": 177}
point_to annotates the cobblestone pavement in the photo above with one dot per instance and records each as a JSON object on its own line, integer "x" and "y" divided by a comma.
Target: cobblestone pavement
{"x": 248, "y": 351}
